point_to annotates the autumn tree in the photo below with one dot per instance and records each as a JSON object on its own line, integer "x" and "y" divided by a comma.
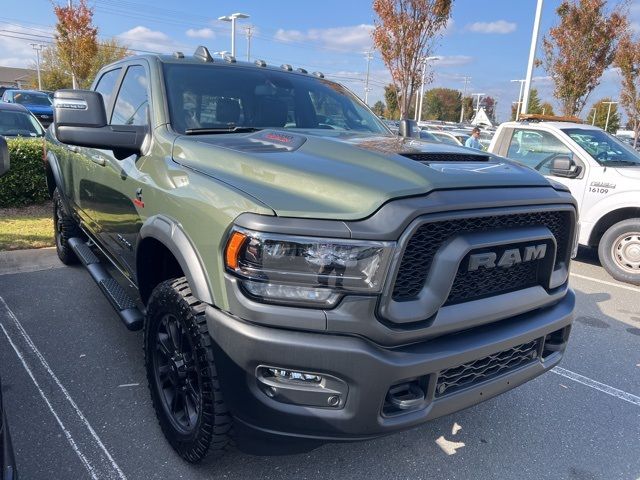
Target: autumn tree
{"x": 55, "y": 74}
{"x": 547, "y": 109}
{"x": 468, "y": 104}
{"x": 391, "y": 99}
{"x": 442, "y": 104}
{"x": 600, "y": 110}
{"x": 405, "y": 33}
{"x": 628, "y": 62}
{"x": 579, "y": 49}
{"x": 76, "y": 39}
{"x": 378, "y": 108}
{"x": 489, "y": 105}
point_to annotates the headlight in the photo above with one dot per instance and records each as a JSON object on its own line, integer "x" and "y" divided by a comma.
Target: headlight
{"x": 305, "y": 270}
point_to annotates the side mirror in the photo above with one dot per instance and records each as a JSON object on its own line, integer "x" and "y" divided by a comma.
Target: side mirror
{"x": 80, "y": 119}
{"x": 564, "y": 166}
{"x": 407, "y": 128}
{"x": 4, "y": 156}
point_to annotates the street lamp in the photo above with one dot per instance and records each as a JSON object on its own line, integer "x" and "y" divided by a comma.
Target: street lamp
{"x": 38, "y": 48}
{"x": 232, "y": 18}
{"x": 479, "y": 95}
{"x": 424, "y": 69}
{"x": 522, "y": 82}
{"x": 532, "y": 57}
{"x": 593, "y": 118}
{"x": 606, "y": 125}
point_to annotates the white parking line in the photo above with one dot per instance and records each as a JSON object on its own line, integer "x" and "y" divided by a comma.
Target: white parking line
{"x": 604, "y": 282}
{"x": 111, "y": 469}
{"x": 609, "y": 390}
{"x": 67, "y": 434}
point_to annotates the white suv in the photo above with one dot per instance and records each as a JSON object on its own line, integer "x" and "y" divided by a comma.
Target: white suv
{"x": 604, "y": 177}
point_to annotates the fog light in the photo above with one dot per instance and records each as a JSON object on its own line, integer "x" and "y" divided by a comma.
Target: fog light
{"x": 292, "y": 375}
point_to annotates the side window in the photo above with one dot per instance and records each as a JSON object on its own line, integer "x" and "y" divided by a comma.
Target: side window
{"x": 106, "y": 83}
{"x": 535, "y": 148}
{"x": 132, "y": 102}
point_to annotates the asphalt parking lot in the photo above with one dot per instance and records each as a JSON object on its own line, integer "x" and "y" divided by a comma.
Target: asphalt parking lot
{"x": 78, "y": 406}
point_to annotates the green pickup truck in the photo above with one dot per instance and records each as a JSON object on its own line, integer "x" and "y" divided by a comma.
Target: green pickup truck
{"x": 296, "y": 268}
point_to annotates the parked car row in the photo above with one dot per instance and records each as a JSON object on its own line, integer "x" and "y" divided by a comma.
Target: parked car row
{"x": 25, "y": 113}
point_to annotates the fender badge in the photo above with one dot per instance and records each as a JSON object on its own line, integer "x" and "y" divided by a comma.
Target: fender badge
{"x": 138, "y": 200}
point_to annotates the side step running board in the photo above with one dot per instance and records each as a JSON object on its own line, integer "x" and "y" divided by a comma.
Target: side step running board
{"x": 126, "y": 306}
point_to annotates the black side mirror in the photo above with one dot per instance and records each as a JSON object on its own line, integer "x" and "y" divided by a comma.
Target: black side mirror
{"x": 564, "y": 166}
{"x": 407, "y": 128}
{"x": 80, "y": 119}
{"x": 4, "y": 156}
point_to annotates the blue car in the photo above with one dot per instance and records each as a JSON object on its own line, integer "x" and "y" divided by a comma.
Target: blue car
{"x": 36, "y": 102}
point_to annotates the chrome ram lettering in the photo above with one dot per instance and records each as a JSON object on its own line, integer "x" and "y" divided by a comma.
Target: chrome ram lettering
{"x": 509, "y": 257}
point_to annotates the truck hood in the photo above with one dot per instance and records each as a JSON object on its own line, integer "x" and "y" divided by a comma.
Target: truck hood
{"x": 40, "y": 109}
{"x": 341, "y": 175}
{"x": 629, "y": 172}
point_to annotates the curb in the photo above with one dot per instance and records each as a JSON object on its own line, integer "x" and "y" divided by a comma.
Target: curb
{"x": 33, "y": 260}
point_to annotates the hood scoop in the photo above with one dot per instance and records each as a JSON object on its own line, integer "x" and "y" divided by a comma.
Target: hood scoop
{"x": 439, "y": 157}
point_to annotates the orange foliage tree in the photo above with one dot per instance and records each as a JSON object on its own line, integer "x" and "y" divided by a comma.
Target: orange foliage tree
{"x": 579, "y": 49}
{"x": 76, "y": 38}
{"x": 628, "y": 61}
{"x": 405, "y": 32}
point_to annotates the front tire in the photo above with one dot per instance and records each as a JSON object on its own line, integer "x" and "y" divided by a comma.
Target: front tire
{"x": 64, "y": 228}
{"x": 182, "y": 375}
{"x": 619, "y": 251}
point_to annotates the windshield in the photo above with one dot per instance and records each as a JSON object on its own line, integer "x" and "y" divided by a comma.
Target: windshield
{"x": 209, "y": 97}
{"x": 29, "y": 98}
{"x": 13, "y": 124}
{"x": 604, "y": 148}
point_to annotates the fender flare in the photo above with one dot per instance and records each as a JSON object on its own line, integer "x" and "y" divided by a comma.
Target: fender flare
{"x": 54, "y": 179}
{"x": 169, "y": 232}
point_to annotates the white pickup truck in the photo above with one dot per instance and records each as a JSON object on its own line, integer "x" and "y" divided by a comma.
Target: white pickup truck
{"x": 603, "y": 175}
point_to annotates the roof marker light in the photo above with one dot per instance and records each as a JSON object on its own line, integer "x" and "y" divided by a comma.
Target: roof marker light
{"x": 301, "y": 70}
{"x": 260, "y": 63}
{"x": 178, "y": 54}
{"x": 287, "y": 67}
{"x": 318, "y": 74}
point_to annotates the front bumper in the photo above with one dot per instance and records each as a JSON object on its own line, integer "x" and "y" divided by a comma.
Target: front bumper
{"x": 370, "y": 371}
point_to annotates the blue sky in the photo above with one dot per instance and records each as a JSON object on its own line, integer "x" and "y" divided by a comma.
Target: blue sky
{"x": 486, "y": 40}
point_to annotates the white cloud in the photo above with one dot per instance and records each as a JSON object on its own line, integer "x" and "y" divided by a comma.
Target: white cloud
{"x": 452, "y": 60}
{"x": 16, "y": 52}
{"x": 357, "y": 37}
{"x": 499, "y": 26}
{"x": 200, "y": 33}
{"x": 143, "y": 38}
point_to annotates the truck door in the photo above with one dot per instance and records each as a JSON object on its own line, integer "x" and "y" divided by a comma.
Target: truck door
{"x": 537, "y": 149}
{"x": 119, "y": 185}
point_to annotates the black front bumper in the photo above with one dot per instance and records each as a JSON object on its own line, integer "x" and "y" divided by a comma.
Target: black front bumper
{"x": 369, "y": 371}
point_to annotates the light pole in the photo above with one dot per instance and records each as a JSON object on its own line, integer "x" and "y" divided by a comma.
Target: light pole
{"x": 606, "y": 125}
{"x": 369, "y": 57}
{"x": 38, "y": 48}
{"x": 479, "y": 95}
{"x": 464, "y": 94}
{"x": 424, "y": 70}
{"x": 522, "y": 82}
{"x": 232, "y": 18}
{"x": 249, "y": 31}
{"x": 532, "y": 57}
{"x": 593, "y": 119}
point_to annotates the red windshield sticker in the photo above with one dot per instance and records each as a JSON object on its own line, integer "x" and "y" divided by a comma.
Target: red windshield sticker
{"x": 279, "y": 137}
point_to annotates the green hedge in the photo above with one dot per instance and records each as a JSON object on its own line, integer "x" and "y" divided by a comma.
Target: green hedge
{"x": 25, "y": 182}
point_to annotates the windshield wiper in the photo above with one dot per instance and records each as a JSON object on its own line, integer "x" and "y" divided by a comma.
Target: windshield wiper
{"x": 204, "y": 131}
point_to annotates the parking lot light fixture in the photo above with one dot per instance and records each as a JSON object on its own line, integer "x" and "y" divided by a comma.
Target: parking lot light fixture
{"x": 232, "y": 18}
{"x": 606, "y": 125}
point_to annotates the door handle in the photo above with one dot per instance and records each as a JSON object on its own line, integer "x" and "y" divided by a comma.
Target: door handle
{"x": 98, "y": 159}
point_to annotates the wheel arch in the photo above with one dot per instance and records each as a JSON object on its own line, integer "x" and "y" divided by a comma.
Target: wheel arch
{"x": 608, "y": 220}
{"x": 162, "y": 242}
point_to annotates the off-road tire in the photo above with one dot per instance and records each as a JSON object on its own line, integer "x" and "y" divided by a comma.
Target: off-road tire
{"x": 64, "y": 228}
{"x": 618, "y": 251}
{"x": 210, "y": 435}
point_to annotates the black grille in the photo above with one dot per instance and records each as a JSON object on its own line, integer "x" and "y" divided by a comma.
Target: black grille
{"x": 445, "y": 157}
{"x": 485, "y": 282}
{"x": 471, "y": 373}
{"x": 426, "y": 240}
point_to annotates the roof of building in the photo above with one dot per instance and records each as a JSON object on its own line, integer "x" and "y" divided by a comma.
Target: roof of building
{"x": 10, "y": 76}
